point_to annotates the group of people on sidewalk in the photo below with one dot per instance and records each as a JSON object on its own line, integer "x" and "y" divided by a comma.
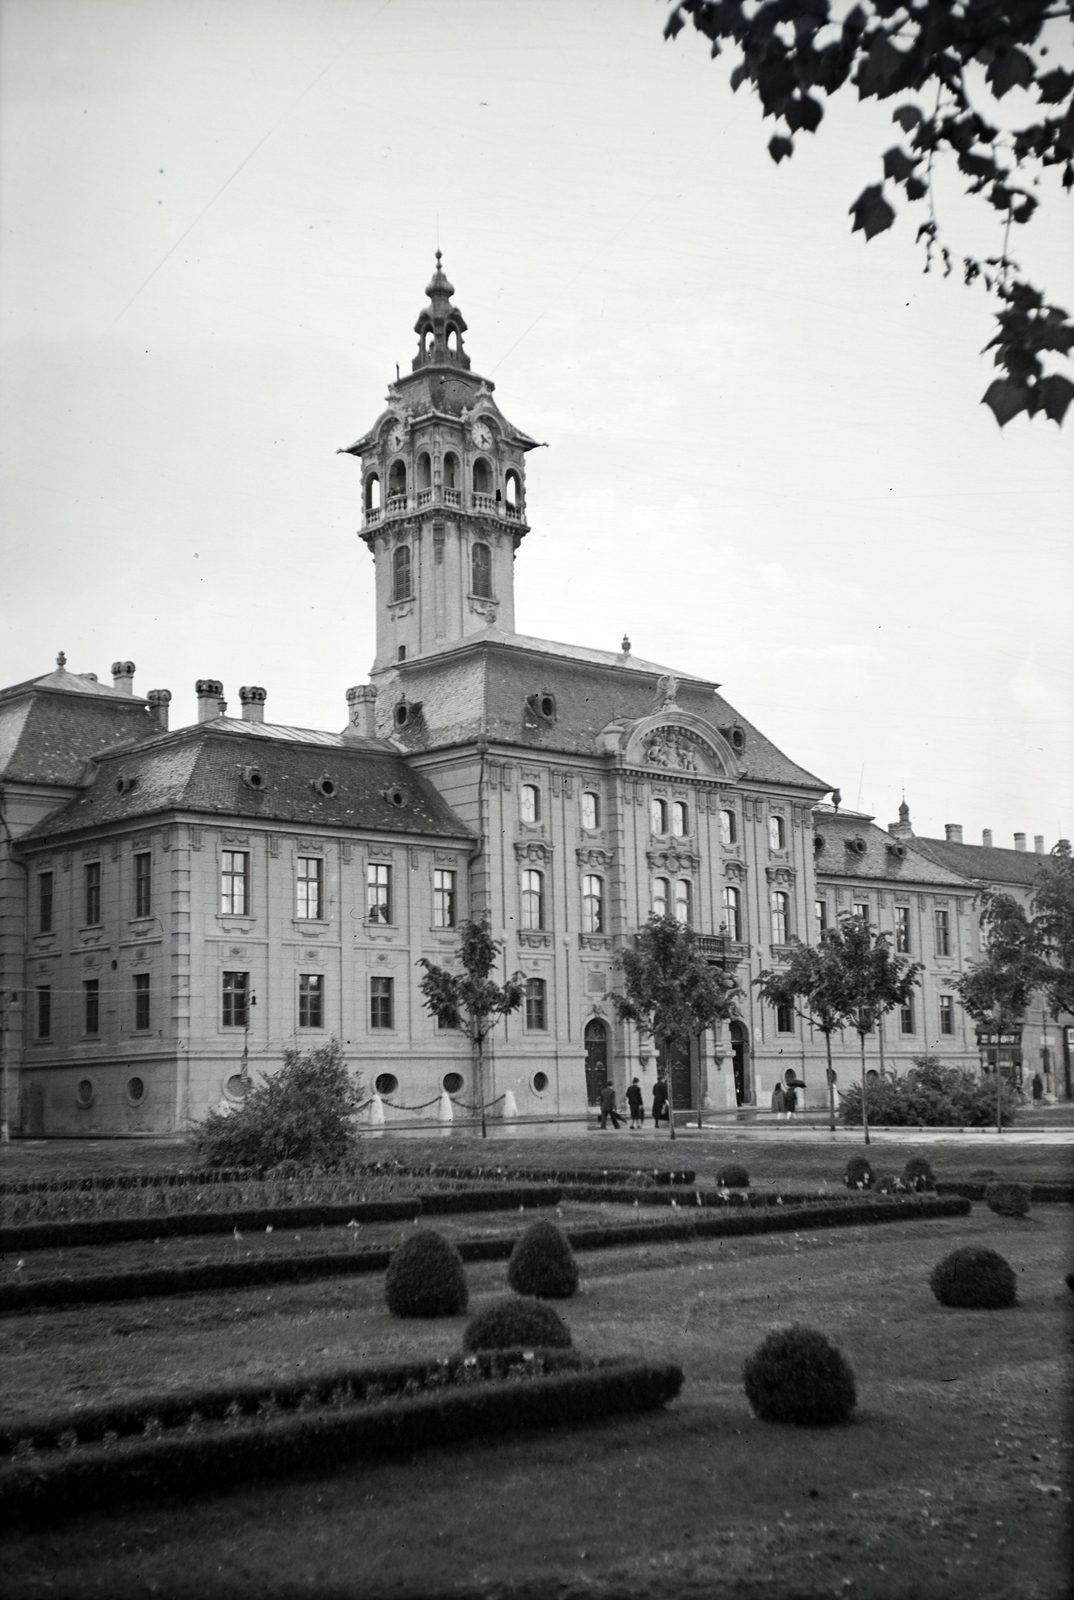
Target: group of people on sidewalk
{"x": 785, "y": 1102}
{"x": 636, "y": 1101}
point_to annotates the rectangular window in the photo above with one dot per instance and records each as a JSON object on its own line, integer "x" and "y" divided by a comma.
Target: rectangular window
{"x": 861, "y": 909}
{"x": 660, "y": 897}
{"x": 536, "y": 1004}
{"x": 590, "y": 809}
{"x": 592, "y": 904}
{"x": 658, "y": 816}
{"x": 902, "y": 932}
{"x": 533, "y": 900}
{"x": 378, "y": 892}
{"x": 784, "y": 1018}
{"x": 381, "y": 1003}
{"x": 44, "y": 902}
{"x": 822, "y": 915}
{"x": 683, "y": 901}
{"x": 141, "y": 1001}
{"x": 732, "y": 907}
{"x": 234, "y": 883}
{"x": 92, "y": 885}
{"x": 309, "y": 887}
{"x": 91, "y": 1006}
{"x": 728, "y": 827}
{"x": 236, "y": 998}
{"x": 777, "y": 833}
{"x": 680, "y": 819}
{"x": 44, "y": 1011}
{"x": 444, "y": 912}
{"x": 780, "y": 916}
{"x": 947, "y": 1013}
{"x": 143, "y": 885}
{"x": 943, "y": 933}
{"x": 529, "y": 799}
{"x": 311, "y": 1000}
{"x": 906, "y": 1016}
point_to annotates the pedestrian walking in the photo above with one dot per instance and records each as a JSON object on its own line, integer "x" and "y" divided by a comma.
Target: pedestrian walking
{"x": 660, "y": 1101}
{"x": 779, "y": 1101}
{"x": 790, "y": 1102}
{"x": 607, "y": 1107}
{"x": 636, "y": 1104}
{"x": 1038, "y": 1088}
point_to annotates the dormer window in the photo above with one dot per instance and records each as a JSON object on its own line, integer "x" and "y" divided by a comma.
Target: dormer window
{"x": 481, "y": 573}
{"x": 401, "y": 576}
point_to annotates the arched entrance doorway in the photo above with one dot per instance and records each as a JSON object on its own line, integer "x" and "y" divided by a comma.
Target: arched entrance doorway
{"x": 596, "y": 1059}
{"x": 683, "y": 1061}
{"x": 738, "y": 1062}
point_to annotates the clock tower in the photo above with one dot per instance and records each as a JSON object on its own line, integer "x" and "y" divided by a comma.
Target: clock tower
{"x": 443, "y": 496}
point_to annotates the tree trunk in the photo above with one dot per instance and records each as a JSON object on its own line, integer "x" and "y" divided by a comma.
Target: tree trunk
{"x": 831, "y": 1084}
{"x": 864, "y": 1107}
{"x": 481, "y": 1084}
{"x": 699, "y": 1078}
{"x": 999, "y": 1080}
{"x": 669, "y": 1083}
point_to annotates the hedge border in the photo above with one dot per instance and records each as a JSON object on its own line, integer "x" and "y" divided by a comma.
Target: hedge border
{"x": 328, "y": 1439}
{"x": 1056, "y": 1193}
{"x": 151, "y": 1282}
{"x": 124, "y": 1230}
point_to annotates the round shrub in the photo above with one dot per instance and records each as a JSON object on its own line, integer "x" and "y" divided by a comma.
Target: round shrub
{"x": 542, "y": 1263}
{"x": 888, "y": 1183}
{"x": 974, "y": 1277}
{"x": 426, "y": 1278}
{"x": 796, "y": 1375}
{"x": 733, "y": 1177}
{"x": 918, "y": 1174}
{"x": 1007, "y": 1199}
{"x": 859, "y": 1173}
{"x": 516, "y": 1323}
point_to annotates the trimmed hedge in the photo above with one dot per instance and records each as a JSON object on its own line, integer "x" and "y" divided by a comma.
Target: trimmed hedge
{"x": 154, "y": 1281}
{"x": 974, "y": 1278}
{"x": 1054, "y": 1193}
{"x": 918, "y": 1175}
{"x": 474, "y": 1404}
{"x": 542, "y": 1263}
{"x": 426, "y": 1278}
{"x": 1007, "y": 1199}
{"x": 516, "y": 1322}
{"x": 859, "y": 1173}
{"x": 796, "y": 1375}
{"x": 733, "y": 1177}
{"x": 121, "y": 1230}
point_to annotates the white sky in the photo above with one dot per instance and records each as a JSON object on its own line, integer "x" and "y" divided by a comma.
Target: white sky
{"x": 767, "y": 458}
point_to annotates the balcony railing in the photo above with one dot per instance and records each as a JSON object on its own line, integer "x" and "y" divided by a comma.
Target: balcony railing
{"x": 425, "y": 498}
{"x": 513, "y": 513}
{"x": 452, "y": 497}
{"x": 484, "y": 502}
{"x": 372, "y": 514}
{"x": 717, "y": 947}
{"x": 395, "y": 502}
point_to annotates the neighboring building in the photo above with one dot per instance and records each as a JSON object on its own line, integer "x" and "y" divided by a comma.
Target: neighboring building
{"x": 179, "y": 906}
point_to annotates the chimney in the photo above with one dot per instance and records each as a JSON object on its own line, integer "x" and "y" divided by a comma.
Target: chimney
{"x": 208, "y": 691}
{"x": 1019, "y": 841}
{"x": 1038, "y": 843}
{"x": 253, "y": 704}
{"x": 361, "y": 712}
{"x": 123, "y": 676}
{"x": 986, "y": 838}
{"x": 159, "y": 701}
{"x": 1063, "y": 846}
{"x": 952, "y": 832}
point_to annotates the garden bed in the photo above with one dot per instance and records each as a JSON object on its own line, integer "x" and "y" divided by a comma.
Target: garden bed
{"x": 204, "y": 1439}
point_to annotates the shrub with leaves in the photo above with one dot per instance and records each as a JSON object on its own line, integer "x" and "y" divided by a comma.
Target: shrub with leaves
{"x": 303, "y": 1114}
{"x": 918, "y": 1174}
{"x": 426, "y": 1278}
{"x": 516, "y": 1323}
{"x": 796, "y": 1375}
{"x": 1007, "y": 1199}
{"x": 733, "y": 1177}
{"x": 974, "y": 1278}
{"x": 930, "y": 1095}
{"x": 542, "y": 1263}
{"x": 859, "y": 1173}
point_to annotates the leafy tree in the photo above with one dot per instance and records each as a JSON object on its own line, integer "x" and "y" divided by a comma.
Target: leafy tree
{"x": 671, "y": 993}
{"x": 797, "y": 54}
{"x": 996, "y": 992}
{"x": 304, "y": 1114}
{"x": 813, "y": 983}
{"x": 930, "y": 1095}
{"x": 470, "y": 1000}
{"x": 1053, "y": 918}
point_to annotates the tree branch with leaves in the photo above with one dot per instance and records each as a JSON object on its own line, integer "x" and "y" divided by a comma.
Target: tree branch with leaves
{"x": 798, "y": 54}
{"x": 996, "y": 991}
{"x": 813, "y": 984}
{"x": 471, "y": 1000}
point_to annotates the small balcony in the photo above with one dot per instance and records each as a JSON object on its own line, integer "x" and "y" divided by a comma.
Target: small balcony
{"x": 425, "y": 498}
{"x": 485, "y": 502}
{"x": 372, "y": 515}
{"x": 452, "y": 497}
{"x": 513, "y": 513}
{"x": 395, "y": 502}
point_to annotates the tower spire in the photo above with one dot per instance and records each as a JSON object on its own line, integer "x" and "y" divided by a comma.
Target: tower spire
{"x": 440, "y": 326}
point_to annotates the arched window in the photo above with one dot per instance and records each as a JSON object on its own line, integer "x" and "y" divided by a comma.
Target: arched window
{"x": 777, "y": 833}
{"x": 529, "y": 799}
{"x": 660, "y": 897}
{"x": 401, "y": 589}
{"x": 680, "y": 818}
{"x": 728, "y": 827}
{"x": 481, "y": 563}
{"x": 780, "y": 916}
{"x": 451, "y": 471}
{"x": 372, "y": 492}
{"x": 452, "y": 340}
{"x": 682, "y": 900}
{"x": 513, "y": 491}
{"x": 732, "y": 906}
{"x": 482, "y": 476}
{"x": 590, "y": 809}
{"x": 533, "y": 900}
{"x": 427, "y": 342}
{"x": 425, "y": 471}
{"x": 397, "y": 478}
{"x": 592, "y": 904}
{"x": 658, "y": 815}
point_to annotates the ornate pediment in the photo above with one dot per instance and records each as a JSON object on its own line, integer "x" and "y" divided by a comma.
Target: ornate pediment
{"x": 672, "y": 860}
{"x": 594, "y": 857}
{"x": 785, "y": 875}
{"x": 534, "y": 850}
{"x": 672, "y": 741}
{"x": 734, "y": 871}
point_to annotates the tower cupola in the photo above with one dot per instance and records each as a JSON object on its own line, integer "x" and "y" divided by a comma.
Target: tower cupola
{"x": 440, "y": 327}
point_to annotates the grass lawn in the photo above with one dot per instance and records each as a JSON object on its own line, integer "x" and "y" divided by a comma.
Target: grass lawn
{"x": 953, "y": 1479}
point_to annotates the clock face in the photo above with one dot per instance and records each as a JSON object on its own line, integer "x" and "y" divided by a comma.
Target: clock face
{"x": 482, "y": 435}
{"x": 397, "y": 437}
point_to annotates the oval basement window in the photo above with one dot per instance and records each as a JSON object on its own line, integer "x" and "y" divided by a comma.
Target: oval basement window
{"x": 84, "y": 1094}
{"x": 136, "y": 1090}
{"x": 452, "y": 1082}
{"x": 386, "y": 1083}
{"x": 237, "y": 1087}
{"x": 540, "y": 1082}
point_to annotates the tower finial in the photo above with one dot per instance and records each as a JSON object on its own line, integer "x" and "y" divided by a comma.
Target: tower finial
{"x": 61, "y": 660}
